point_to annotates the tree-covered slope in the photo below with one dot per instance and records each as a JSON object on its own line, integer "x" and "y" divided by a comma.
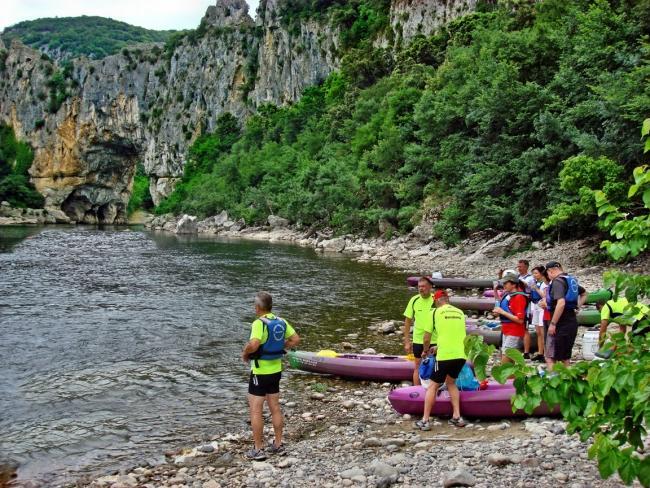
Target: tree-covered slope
{"x": 471, "y": 126}
{"x": 94, "y": 37}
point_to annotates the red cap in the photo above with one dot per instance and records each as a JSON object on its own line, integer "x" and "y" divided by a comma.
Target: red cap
{"x": 439, "y": 294}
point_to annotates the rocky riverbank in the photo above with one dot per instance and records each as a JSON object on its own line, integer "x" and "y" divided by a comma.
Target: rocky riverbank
{"x": 346, "y": 434}
{"x": 479, "y": 256}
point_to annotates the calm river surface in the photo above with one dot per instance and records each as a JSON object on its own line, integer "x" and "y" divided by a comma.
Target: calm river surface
{"x": 118, "y": 344}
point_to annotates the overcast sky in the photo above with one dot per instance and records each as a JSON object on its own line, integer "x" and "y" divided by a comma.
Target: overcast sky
{"x": 152, "y": 14}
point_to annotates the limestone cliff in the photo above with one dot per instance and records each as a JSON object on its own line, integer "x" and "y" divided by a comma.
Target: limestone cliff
{"x": 90, "y": 122}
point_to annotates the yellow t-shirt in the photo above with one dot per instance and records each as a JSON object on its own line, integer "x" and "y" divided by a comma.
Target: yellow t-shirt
{"x": 261, "y": 333}
{"x": 614, "y": 311}
{"x": 420, "y": 309}
{"x": 449, "y": 323}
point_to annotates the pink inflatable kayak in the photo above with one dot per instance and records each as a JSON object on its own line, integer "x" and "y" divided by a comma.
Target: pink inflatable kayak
{"x": 493, "y": 402}
{"x": 372, "y": 367}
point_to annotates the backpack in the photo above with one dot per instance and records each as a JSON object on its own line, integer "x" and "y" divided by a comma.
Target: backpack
{"x": 427, "y": 367}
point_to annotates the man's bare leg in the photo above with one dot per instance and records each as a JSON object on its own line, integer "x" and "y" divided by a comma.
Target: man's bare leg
{"x": 256, "y": 404}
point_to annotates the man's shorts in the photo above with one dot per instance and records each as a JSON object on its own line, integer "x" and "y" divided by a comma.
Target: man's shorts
{"x": 450, "y": 367}
{"x": 565, "y": 337}
{"x": 637, "y": 329}
{"x": 417, "y": 350}
{"x": 511, "y": 342}
{"x": 264, "y": 384}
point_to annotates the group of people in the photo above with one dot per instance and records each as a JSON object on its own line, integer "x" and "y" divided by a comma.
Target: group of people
{"x": 547, "y": 299}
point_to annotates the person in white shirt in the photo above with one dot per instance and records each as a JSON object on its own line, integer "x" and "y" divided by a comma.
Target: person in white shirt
{"x": 527, "y": 281}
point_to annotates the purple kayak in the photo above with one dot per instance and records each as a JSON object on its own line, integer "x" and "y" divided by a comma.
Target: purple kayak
{"x": 451, "y": 282}
{"x": 373, "y": 367}
{"x": 493, "y": 402}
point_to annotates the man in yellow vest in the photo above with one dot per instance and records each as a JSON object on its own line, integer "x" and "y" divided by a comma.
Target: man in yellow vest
{"x": 418, "y": 314}
{"x": 613, "y": 311}
{"x": 449, "y": 324}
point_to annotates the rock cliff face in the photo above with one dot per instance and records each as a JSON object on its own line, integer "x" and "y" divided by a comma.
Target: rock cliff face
{"x": 91, "y": 123}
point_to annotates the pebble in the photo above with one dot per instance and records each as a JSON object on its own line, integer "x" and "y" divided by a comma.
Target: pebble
{"x": 348, "y": 404}
{"x": 350, "y": 473}
{"x": 460, "y": 477}
{"x": 317, "y": 396}
{"x": 498, "y": 459}
{"x": 368, "y": 350}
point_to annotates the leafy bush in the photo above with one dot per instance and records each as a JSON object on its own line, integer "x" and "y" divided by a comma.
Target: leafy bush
{"x": 579, "y": 178}
{"x": 15, "y": 160}
{"x": 140, "y": 195}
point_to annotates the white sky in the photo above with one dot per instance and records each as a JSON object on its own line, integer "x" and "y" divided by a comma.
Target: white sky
{"x": 152, "y": 14}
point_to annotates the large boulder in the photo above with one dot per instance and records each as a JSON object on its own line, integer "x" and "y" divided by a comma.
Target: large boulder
{"x": 423, "y": 232}
{"x": 333, "y": 245}
{"x": 502, "y": 245}
{"x": 186, "y": 225}
{"x": 277, "y": 222}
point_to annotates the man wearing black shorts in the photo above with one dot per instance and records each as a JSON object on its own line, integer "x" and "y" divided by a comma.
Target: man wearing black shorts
{"x": 565, "y": 298}
{"x": 418, "y": 314}
{"x": 269, "y": 336}
{"x": 449, "y": 324}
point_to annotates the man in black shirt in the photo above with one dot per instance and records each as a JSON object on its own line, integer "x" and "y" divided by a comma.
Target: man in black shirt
{"x": 566, "y": 297}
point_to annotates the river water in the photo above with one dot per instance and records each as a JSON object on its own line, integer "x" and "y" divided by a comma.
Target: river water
{"x": 118, "y": 344}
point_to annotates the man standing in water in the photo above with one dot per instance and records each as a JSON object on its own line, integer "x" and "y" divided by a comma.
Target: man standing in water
{"x": 419, "y": 310}
{"x": 270, "y": 335}
{"x": 449, "y": 323}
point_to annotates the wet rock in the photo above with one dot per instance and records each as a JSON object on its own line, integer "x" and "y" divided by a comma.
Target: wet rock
{"x": 460, "y": 477}
{"x": 388, "y": 327}
{"x": 333, "y": 245}
{"x": 186, "y": 225}
{"x": 207, "y": 448}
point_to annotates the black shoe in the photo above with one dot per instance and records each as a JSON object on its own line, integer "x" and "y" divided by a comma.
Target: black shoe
{"x": 539, "y": 358}
{"x": 604, "y": 354}
{"x": 526, "y": 355}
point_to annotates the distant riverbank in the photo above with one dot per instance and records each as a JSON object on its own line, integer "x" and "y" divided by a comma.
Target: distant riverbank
{"x": 481, "y": 255}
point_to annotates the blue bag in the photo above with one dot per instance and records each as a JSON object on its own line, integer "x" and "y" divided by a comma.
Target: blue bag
{"x": 427, "y": 366}
{"x": 466, "y": 380}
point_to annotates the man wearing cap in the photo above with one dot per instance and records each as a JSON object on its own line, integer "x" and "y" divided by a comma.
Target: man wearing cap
{"x": 449, "y": 325}
{"x": 418, "y": 314}
{"x": 512, "y": 310}
{"x": 564, "y": 298}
